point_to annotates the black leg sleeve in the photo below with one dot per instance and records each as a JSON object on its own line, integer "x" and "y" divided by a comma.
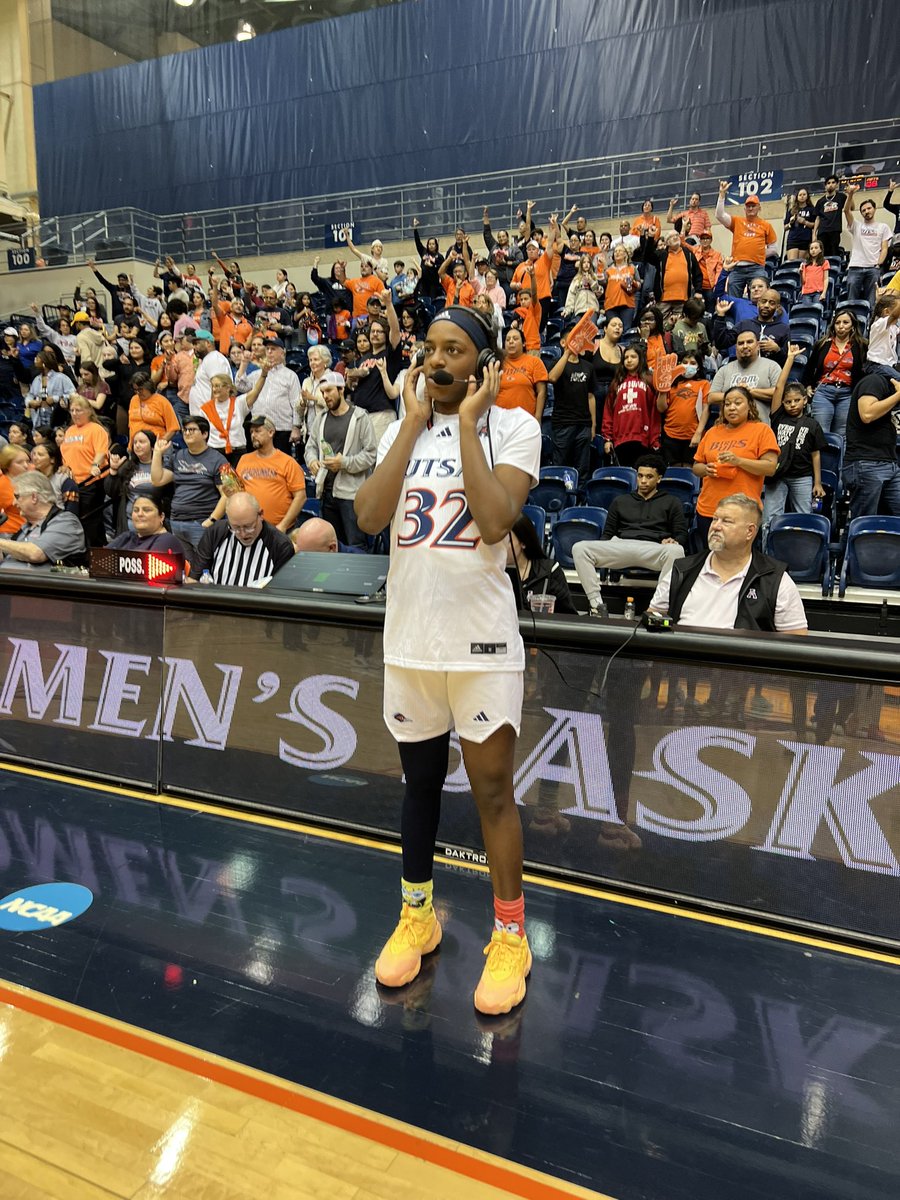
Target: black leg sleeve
{"x": 425, "y": 767}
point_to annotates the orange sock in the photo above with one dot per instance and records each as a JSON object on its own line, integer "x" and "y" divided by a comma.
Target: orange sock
{"x": 509, "y": 915}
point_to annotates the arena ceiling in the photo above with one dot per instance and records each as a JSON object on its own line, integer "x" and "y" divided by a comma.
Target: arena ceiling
{"x": 134, "y": 27}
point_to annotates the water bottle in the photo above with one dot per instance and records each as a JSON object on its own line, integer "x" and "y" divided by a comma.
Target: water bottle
{"x": 629, "y": 608}
{"x": 206, "y": 577}
{"x": 817, "y": 505}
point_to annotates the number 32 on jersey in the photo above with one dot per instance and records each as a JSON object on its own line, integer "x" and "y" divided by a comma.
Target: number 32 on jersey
{"x": 442, "y": 525}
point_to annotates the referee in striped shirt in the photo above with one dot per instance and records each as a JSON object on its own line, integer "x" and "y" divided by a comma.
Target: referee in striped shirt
{"x": 242, "y": 550}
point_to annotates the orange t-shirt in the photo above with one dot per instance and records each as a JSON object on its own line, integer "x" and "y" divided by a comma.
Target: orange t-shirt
{"x": 615, "y": 295}
{"x": 681, "y": 418}
{"x": 464, "y": 295}
{"x": 272, "y": 479}
{"x": 753, "y": 439}
{"x": 14, "y": 519}
{"x": 361, "y": 289}
{"x": 749, "y": 239}
{"x": 342, "y": 325}
{"x": 226, "y": 327}
{"x": 677, "y": 280}
{"x": 81, "y": 446}
{"x": 543, "y": 279}
{"x": 518, "y": 382}
{"x": 530, "y": 316}
{"x": 655, "y": 347}
{"x": 155, "y": 413}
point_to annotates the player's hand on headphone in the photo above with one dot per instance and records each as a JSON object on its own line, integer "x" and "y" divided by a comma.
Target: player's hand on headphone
{"x": 479, "y": 398}
{"x": 418, "y": 409}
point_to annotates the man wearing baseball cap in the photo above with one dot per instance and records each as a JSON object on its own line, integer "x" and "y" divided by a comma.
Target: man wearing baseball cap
{"x": 750, "y": 235}
{"x": 273, "y": 477}
{"x": 711, "y": 263}
{"x": 276, "y": 394}
{"x": 340, "y": 453}
{"x": 212, "y": 362}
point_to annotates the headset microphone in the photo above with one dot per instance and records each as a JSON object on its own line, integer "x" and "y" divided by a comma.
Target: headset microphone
{"x": 443, "y": 378}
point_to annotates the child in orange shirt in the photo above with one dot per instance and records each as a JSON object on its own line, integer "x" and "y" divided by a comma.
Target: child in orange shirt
{"x": 529, "y": 315}
{"x": 686, "y": 411}
{"x": 814, "y": 273}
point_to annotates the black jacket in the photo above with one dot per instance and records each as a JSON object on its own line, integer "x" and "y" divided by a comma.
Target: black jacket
{"x": 546, "y": 571}
{"x": 756, "y": 611}
{"x": 662, "y": 516}
{"x": 815, "y": 366}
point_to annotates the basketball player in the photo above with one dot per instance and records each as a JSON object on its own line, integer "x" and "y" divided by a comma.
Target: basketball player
{"x": 452, "y": 477}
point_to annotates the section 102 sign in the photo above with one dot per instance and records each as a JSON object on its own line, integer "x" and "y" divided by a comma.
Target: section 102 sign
{"x": 767, "y": 185}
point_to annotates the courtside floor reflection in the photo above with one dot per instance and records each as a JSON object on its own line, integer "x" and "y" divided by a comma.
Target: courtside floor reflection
{"x": 655, "y": 1057}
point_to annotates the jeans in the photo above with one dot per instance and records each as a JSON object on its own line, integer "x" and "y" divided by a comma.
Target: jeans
{"x": 625, "y": 315}
{"x": 341, "y": 515}
{"x": 648, "y": 283}
{"x": 189, "y": 534}
{"x": 861, "y": 284}
{"x": 776, "y": 494}
{"x": 869, "y": 482}
{"x": 830, "y": 406}
{"x": 874, "y": 368}
{"x": 740, "y": 277}
{"x": 572, "y": 448}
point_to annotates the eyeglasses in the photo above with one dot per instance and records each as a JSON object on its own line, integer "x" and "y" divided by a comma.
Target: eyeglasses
{"x": 243, "y": 528}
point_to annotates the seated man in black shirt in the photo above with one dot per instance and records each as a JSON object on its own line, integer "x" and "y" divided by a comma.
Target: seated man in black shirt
{"x": 574, "y": 421}
{"x": 243, "y": 550}
{"x": 646, "y": 529}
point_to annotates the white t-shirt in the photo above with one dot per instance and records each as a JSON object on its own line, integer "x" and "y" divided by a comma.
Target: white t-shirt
{"x": 201, "y": 390}
{"x": 867, "y": 241}
{"x": 450, "y": 604}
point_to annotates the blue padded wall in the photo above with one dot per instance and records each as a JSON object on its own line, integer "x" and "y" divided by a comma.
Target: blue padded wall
{"x": 430, "y": 89}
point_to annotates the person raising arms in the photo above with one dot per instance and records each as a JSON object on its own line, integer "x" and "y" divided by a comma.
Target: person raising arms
{"x": 460, "y": 662}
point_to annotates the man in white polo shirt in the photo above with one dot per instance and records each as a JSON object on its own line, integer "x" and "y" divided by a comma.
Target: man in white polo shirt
{"x": 276, "y": 394}
{"x": 871, "y": 240}
{"x": 734, "y": 586}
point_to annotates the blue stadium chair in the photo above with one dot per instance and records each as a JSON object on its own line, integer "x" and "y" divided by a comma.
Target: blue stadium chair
{"x": 681, "y": 489}
{"x": 572, "y": 529}
{"x": 831, "y": 482}
{"x": 801, "y": 540}
{"x": 538, "y": 518}
{"x": 833, "y": 454}
{"x": 312, "y": 507}
{"x": 806, "y": 328}
{"x": 568, "y": 475}
{"x": 872, "y": 557}
{"x": 546, "y": 450}
{"x": 683, "y": 473}
{"x": 809, "y": 310}
{"x": 588, "y": 512}
{"x": 608, "y": 482}
{"x": 835, "y": 266}
{"x": 552, "y": 496}
{"x": 549, "y": 354}
{"x": 886, "y": 277}
{"x": 859, "y": 308}
{"x": 787, "y": 270}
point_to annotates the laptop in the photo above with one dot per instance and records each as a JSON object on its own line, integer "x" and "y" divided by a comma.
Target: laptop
{"x": 156, "y": 567}
{"x": 333, "y": 574}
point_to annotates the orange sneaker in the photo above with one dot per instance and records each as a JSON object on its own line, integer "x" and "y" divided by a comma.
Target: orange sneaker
{"x": 502, "y": 983}
{"x": 401, "y": 959}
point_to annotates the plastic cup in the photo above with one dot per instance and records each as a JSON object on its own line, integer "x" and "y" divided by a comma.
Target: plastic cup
{"x": 541, "y": 602}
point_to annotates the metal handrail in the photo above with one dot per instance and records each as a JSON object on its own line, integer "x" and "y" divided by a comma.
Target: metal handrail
{"x": 605, "y": 186}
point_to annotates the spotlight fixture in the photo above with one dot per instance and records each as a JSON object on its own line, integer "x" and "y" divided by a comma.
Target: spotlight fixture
{"x": 245, "y": 32}
{"x": 184, "y": 3}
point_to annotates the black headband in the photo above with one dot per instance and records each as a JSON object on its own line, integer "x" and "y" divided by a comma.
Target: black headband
{"x": 469, "y": 322}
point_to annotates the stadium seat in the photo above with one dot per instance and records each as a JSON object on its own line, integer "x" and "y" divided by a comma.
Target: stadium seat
{"x": 809, "y": 311}
{"x": 550, "y": 354}
{"x": 684, "y": 473}
{"x": 859, "y": 308}
{"x": 681, "y": 489}
{"x": 801, "y": 540}
{"x": 546, "y": 450}
{"x": 552, "y": 496}
{"x": 786, "y": 273}
{"x": 831, "y": 482}
{"x": 805, "y": 328}
{"x": 568, "y": 475}
{"x": 608, "y": 482}
{"x": 538, "y": 518}
{"x": 833, "y": 454}
{"x": 872, "y": 556}
{"x": 572, "y": 529}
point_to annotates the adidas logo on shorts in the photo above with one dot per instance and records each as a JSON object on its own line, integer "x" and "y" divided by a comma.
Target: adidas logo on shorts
{"x": 481, "y": 717}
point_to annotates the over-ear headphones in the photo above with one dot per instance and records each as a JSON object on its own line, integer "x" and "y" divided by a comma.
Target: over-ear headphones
{"x": 485, "y": 357}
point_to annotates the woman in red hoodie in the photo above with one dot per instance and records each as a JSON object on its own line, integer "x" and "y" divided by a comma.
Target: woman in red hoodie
{"x": 631, "y": 421}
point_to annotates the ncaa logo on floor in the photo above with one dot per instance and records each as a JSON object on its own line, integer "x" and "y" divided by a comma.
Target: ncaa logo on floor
{"x": 46, "y": 904}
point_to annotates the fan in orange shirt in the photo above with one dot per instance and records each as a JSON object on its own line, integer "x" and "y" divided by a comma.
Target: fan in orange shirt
{"x": 523, "y": 378}
{"x": 14, "y": 461}
{"x": 750, "y": 235}
{"x": 528, "y": 315}
{"x": 542, "y": 262}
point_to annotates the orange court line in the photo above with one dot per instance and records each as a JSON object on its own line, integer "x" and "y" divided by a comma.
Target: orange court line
{"x": 386, "y": 1131}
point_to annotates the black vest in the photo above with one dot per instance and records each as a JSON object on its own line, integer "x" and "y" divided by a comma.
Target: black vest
{"x": 80, "y": 559}
{"x": 756, "y": 611}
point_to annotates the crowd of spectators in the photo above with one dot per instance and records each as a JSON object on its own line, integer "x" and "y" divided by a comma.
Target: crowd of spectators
{"x": 240, "y": 411}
